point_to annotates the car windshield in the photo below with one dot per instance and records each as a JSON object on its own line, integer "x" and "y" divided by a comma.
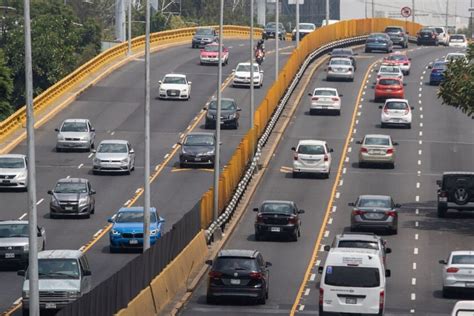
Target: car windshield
{"x": 352, "y": 276}
{"x": 13, "y": 230}
{"x": 70, "y": 187}
{"x": 382, "y": 141}
{"x": 225, "y": 105}
{"x": 397, "y": 57}
{"x": 440, "y": 65}
{"x": 374, "y": 202}
{"x": 133, "y": 217}
{"x": 340, "y": 62}
{"x": 463, "y": 259}
{"x": 174, "y": 80}
{"x": 330, "y": 93}
{"x": 456, "y": 38}
{"x": 12, "y": 163}
{"x": 74, "y": 127}
{"x": 112, "y": 148}
{"x": 393, "y": 30}
{"x": 246, "y": 68}
{"x": 272, "y": 25}
{"x": 358, "y": 244}
{"x": 311, "y": 149}
{"x": 199, "y": 140}
{"x": 396, "y": 105}
{"x": 389, "y": 82}
{"x": 211, "y": 48}
{"x": 306, "y": 27}
{"x": 58, "y": 269}
{"x": 279, "y": 208}
{"x": 235, "y": 263}
{"x": 204, "y": 32}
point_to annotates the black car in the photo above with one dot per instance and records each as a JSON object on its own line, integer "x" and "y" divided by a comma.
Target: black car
{"x": 270, "y": 30}
{"x": 204, "y": 36}
{"x": 345, "y": 53}
{"x": 229, "y": 113}
{"x": 278, "y": 217}
{"x": 197, "y": 149}
{"x": 238, "y": 273}
{"x": 427, "y": 36}
{"x": 397, "y": 35}
{"x": 456, "y": 191}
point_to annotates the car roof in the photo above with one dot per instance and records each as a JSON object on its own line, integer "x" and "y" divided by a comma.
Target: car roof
{"x": 246, "y": 64}
{"x": 176, "y": 75}
{"x": 137, "y": 209}
{"x": 464, "y": 305}
{"x": 13, "y": 156}
{"x": 358, "y": 236}
{"x": 73, "y": 180}
{"x": 238, "y": 253}
{"x": 462, "y": 252}
{"x": 377, "y": 34}
{"x": 361, "y": 256}
{"x": 200, "y": 133}
{"x": 447, "y": 173}
{"x": 13, "y": 221}
{"x": 60, "y": 254}
{"x": 374, "y": 196}
{"x": 456, "y": 54}
{"x": 114, "y": 141}
{"x": 325, "y": 88}
{"x": 307, "y": 24}
{"x": 395, "y": 100}
{"x": 226, "y": 99}
{"x": 277, "y": 202}
{"x": 311, "y": 142}
{"x": 376, "y": 136}
{"x": 76, "y": 120}
{"x": 394, "y": 26}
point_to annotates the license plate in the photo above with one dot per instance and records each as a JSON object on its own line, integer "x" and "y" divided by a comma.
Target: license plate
{"x": 50, "y": 305}
{"x": 133, "y": 242}
{"x": 68, "y": 208}
{"x": 197, "y": 159}
{"x": 389, "y": 90}
{"x": 173, "y": 93}
{"x": 235, "y": 281}
{"x": 275, "y": 229}
{"x": 9, "y": 255}
{"x": 6, "y": 181}
{"x": 376, "y": 152}
{"x": 469, "y": 284}
{"x": 374, "y": 215}
{"x": 351, "y": 300}
{"x": 443, "y": 199}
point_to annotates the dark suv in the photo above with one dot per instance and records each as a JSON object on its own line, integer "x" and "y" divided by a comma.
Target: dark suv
{"x": 427, "y": 36}
{"x": 456, "y": 191}
{"x": 238, "y": 273}
{"x": 229, "y": 114}
{"x": 204, "y": 36}
{"x": 278, "y": 217}
{"x": 397, "y": 35}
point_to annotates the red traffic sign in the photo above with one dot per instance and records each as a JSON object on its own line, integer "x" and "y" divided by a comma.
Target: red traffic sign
{"x": 406, "y": 12}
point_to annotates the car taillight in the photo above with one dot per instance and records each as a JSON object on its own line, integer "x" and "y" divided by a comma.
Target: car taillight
{"x": 381, "y": 301}
{"x": 326, "y": 158}
{"x": 256, "y": 275}
{"x": 335, "y": 98}
{"x": 295, "y": 156}
{"x": 315, "y": 98}
{"x": 363, "y": 150}
{"x": 321, "y": 296}
{"x": 215, "y": 274}
{"x": 259, "y": 218}
{"x": 407, "y": 111}
{"x": 443, "y": 194}
{"x": 358, "y": 212}
{"x": 406, "y": 64}
{"x": 390, "y": 151}
{"x": 391, "y": 213}
{"x": 293, "y": 220}
{"x": 329, "y": 69}
{"x": 452, "y": 270}
{"x": 385, "y": 110}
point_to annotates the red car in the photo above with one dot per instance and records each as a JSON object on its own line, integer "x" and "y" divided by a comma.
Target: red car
{"x": 209, "y": 54}
{"x": 387, "y": 88}
{"x": 399, "y": 59}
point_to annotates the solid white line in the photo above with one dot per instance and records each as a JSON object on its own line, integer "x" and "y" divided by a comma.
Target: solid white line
{"x": 330, "y": 221}
{"x": 22, "y": 216}
{"x": 416, "y": 236}
{"x": 414, "y": 265}
{"x": 413, "y": 296}
{"x": 312, "y": 277}
{"x": 80, "y": 166}
{"x": 306, "y": 292}
{"x": 90, "y": 155}
{"x": 338, "y": 195}
{"x": 415, "y": 251}
{"x": 39, "y": 202}
{"x": 413, "y": 281}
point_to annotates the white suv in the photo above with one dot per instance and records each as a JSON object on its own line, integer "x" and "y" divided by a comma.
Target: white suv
{"x": 443, "y": 36}
{"x": 396, "y": 112}
{"x": 312, "y": 156}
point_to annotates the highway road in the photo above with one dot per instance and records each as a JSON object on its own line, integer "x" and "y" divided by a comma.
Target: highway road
{"x": 441, "y": 139}
{"x": 115, "y": 107}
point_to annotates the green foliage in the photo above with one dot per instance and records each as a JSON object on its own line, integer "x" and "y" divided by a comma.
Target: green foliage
{"x": 458, "y": 88}
{"x": 6, "y": 89}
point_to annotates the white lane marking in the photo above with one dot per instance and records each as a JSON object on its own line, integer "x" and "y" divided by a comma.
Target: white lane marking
{"x": 318, "y": 262}
{"x": 230, "y": 47}
{"x": 421, "y": 124}
{"x": 358, "y": 113}
{"x": 82, "y": 248}
{"x": 415, "y": 251}
{"x": 417, "y": 224}
{"x": 416, "y": 236}
{"x": 413, "y": 281}
{"x": 347, "y": 159}
{"x": 39, "y": 202}
{"x": 412, "y": 310}
{"x": 112, "y": 133}
{"x": 138, "y": 190}
{"x": 17, "y": 301}
{"x": 421, "y": 83}
{"x": 306, "y": 292}
{"x": 360, "y": 106}
{"x": 424, "y": 71}
{"x": 128, "y": 202}
{"x": 338, "y": 195}
{"x": 330, "y": 221}
{"x": 157, "y": 167}
{"x": 419, "y": 162}
{"x": 354, "y": 131}
{"x": 413, "y": 296}
{"x": 90, "y": 155}
{"x": 365, "y": 87}
{"x": 240, "y": 45}
{"x": 22, "y": 216}
{"x": 419, "y": 95}
{"x": 420, "y": 141}
{"x": 363, "y": 92}
{"x": 417, "y": 211}
{"x": 341, "y": 182}
{"x": 344, "y": 170}
{"x": 419, "y": 101}
{"x": 352, "y": 139}
{"x": 322, "y": 248}
{"x": 419, "y": 173}
{"x": 98, "y": 233}
{"x": 80, "y": 166}
{"x": 357, "y": 122}
{"x": 418, "y": 185}
{"x": 349, "y": 149}
{"x": 312, "y": 277}
{"x": 417, "y": 198}
{"x": 421, "y": 116}
{"x": 420, "y": 151}
{"x": 301, "y": 307}
{"x": 421, "y": 133}
{"x": 421, "y": 78}
{"x": 167, "y": 155}
{"x": 361, "y": 99}
{"x": 334, "y": 208}
{"x": 414, "y": 265}
{"x": 326, "y": 234}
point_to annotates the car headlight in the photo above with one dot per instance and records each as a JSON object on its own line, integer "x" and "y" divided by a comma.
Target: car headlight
{"x": 115, "y": 232}
{"x": 185, "y": 90}
{"x": 73, "y": 294}
{"x": 124, "y": 161}
{"x": 96, "y": 161}
{"x": 83, "y": 200}
{"x": 26, "y": 247}
{"x": 54, "y": 201}
{"x": 232, "y": 116}
{"x": 162, "y": 90}
{"x": 21, "y": 176}
{"x": 209, "y": 153}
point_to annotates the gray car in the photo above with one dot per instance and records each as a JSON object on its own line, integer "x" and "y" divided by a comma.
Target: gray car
{"x": 340, "y": 69}
{"x": 229, "y": 113}
{"x": 72, "y": 197}
{"x": 114, "y": 156}
{"x": 204, "y": 36}
{"x": 378, "y": 41}
{"x": 377, "y": 149}
{"x": 374, "y": 212}
{"x": 75, "y": 134}
{"x": 14, "y": 244}
{"x": 197, "y": 149}
{"x": 397, "y": 35}
{"x": 13, "y": 172}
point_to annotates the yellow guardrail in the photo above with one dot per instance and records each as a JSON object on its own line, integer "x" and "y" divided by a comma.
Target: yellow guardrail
{"x": 44, "y": 101}
{"x": 234, "y": 170}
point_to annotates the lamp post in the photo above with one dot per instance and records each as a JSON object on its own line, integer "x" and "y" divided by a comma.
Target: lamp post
{"x": 297, "y": 23}
{"x": 277, "y": 37}
{"x": 129, "y": 51}
{"x": 327, "y": 12}
{"x": 252, "y": 94}
{"x": 146, "y": 211}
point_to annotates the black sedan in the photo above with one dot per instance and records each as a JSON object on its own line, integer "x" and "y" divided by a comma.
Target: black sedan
{"x": 197, "y": 149}
{"x": 278, "y": 217}
{"x": 238, "y": 273}
{"x": 345, "y": 53}
{"x": 229, "y": 114}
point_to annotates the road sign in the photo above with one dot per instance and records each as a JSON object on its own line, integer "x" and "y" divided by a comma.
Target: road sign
{"x": 406, "y": 12}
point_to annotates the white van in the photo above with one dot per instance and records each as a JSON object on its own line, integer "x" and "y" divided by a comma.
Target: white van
{"x": 353, "y": 281}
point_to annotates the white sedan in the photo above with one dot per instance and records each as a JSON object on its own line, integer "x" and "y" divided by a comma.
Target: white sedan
{"x": 242, "y": 75}
{"x": 390, "y": 71}
{"x": 325, "y": 99}
{"x": 458, "y": 40}
{"x": 175, "y": 86}
{"x": 312, "y": 156}
{"x": 396, "y": 112}
{"x": 458, "y": 272}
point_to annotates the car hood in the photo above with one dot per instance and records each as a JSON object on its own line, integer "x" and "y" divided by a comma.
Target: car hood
{"x": 68, "y": 196}
{"x": 12, "y": 171}
{"x": 246, "y": 74}
{"x": 173, "y": 86}
{"x": 132, "y": 227}
{"x": 212, "y": 54}
{"x": 13, "y": 241}
{"x": 74, "y": 134}
{"x": 194, "y": 150}
{"x": 111, "y": 156}
{"x": 200, "y": 37}
{"x": 56, "y": 285}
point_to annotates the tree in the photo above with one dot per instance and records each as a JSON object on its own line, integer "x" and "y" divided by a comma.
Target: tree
{"x": 6, "y": 89}
{"x": 458, "y": 87}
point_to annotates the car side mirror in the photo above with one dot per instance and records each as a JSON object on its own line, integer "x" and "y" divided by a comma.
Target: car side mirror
{"x": 56, "y": 129}
{"x": 190, "y": 82}
{"x": 310, "y": 94}
{"x": 355, "y": 54}
{"x": 92, "y": 129}
{"x": 395, "y": 144}
{"x": 388, "y": 250}
{"x": 261, "y": 71}
{"x": 293, "y": 148}
{"x": 398, "y": 205}
{"x": 39, "y": 234}
{"x": 327, "y": 247}
{"x": 268, "y": 264}
{"x": 110, "y": 220}
{"x": 438, "y": 182}
{"x": 93, "y": 192}
{"x": 388, "y": 273}
{"x": 407, "y": 33}
{"x": 331, "y": 150}
{"x": 443, "y": 262}
{"x": 404, "y": 84}
{"x": 320, "y": 270}
{"x": 50, "y": 192}
{"x": 255, "y": 209}
{"x": 160, "y": 82}
{"x": 209, "y": 262}
{"x": 409, "y": 58}
{"x": 132, "y": 151}
{"x": 341, "y": 95}
{"x": 412, "y": 107}
{"x": 300, "y": 211}
{"x": 430, "y": 67}
{"x": 238, "y": 109}
{"x": 21, "y": 272}
{"x": 358, "y": 142}
{"x": 351, "y": 204}
{"x": 380, "y": 106}
{"x": 94, "y": 151}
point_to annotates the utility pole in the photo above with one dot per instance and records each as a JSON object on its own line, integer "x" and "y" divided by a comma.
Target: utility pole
{"x": 32, "y": 212}
{"x": 252, "y": 53}
{"x": 297, "y": 23}
{"x": 146, "y": 211}
{"x": 472, "y": 27}
{"x": 373, "y": 9}
{"x": 413, "y": 11}
{"x": 277, "y": 38}
{"x": 447, "y": 10}
{"x": 327, "y": 12}
{"x": 218, "y": 115}
{"x": 129, "y": 28}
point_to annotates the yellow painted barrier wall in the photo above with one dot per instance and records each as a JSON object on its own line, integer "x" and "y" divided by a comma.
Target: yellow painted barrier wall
{"x": 242, "y": 155}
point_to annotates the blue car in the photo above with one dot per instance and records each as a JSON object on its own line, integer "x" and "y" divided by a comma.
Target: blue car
{"x": 437, "y": 72}
{"x": 127, "y": 228}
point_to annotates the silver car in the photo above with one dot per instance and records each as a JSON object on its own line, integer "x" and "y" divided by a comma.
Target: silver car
{"x": 377, "y": 149}
{"x": 376, "y": 212}
{"x": 75, "y": 134}
{"x": 14, "y": 244}
{"x": 72, "y": 197}
{"x": 114, "y": 156}
{"x": 340, "y": 69}
{"x": 13, "y": 172}
{"x": 458, "y": 272}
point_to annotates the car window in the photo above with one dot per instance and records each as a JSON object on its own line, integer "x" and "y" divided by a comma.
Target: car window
{"x": 352, "y": 276}
{"x": 112, "y": 148}
{"x": 58, "y": 269}
{"x": 174, "y": 80}
{"x": 452, "y": 181}
{"x": 13, "y": 230}
{"x": 330, "y": 93}
{"x": 204, "y": 32}
{"x": 279, "y": 208}
{"x": 383, "y": 141}
{"x": 396, "y": 105}
{"x": 462, "y": 259}
{"x": 225, "y": 105}
{"x": 340, "y": 62}
{"x": 374, "y": 202}
{"x": 12, "y": 163}
{"x": 235, "y": 263}
{"x": 70, "y": 187}
{"x": 389, "y": 69}
{"x": 133, "y": 217}
{"x": 74, "y": 127}
{"x": 311, "y": 149}
{"x": 199, "y": 140}
{"x": 307, "y": 27}
{"x": 389, "y": 82}
{"x": 358, "y": 244}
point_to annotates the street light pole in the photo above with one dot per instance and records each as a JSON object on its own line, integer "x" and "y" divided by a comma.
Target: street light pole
{"x": 32, "y": 212}
{"x": 327, "y": 12}
{"x": 447, "y": 10}
{"x": 146, "y": 211}
{"x": 129, "y": 28}
{"x": 373, "y": 9}
{"x": 472, "y": 27}
{"x": 277, "y": 38}
{"x": 297, "y": 23}
{"x": 252, "y": 94}
{"x": 218, "y": 115}
{"x": 413, "y": 11}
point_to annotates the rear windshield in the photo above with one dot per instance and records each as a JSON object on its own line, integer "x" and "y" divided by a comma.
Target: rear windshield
{"x": 458, "y": 180}
{"x": 463, "y": 259}
{"x": 358, "y": 244}
{"x": 393, "y": 30}
{"x": 396, "y": 105}
{"x": 374, "y": 202}
{"x": 340, "y": 62}
{"x": 235, "y": 263}
{"x": 377, "y": 141}
{"x": 426, "y": 31}
{"x": 456, "y": 37}
{"x": 389, "y": 82}
{"x": 390, "y": 69}
{"x": 311, "y": 150}
{"x": 342, "y": 52}
{"x": 439, "y": 30}
{"x": 74, "y": 127}
{"x": 330, "y": 93}
{"x": 280, "y": 208}
{"x": 397, "y": 57}
{"x": 352, "y": 276}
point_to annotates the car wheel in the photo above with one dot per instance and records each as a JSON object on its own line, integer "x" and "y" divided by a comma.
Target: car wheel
{"x": 262, "y": 300}
{"x": 58, "y": 149}
{"x": 210, "y": 300}
{"x": 392, "y": 165}
{"x": 394, "y": 231}
{"x": 294, "y": 235}
{"x": 257, "y": 236}
{"x": 93, "y": 210}
{"x": 362, "y": 164}
{"x": 442, "y": 211}
{"x": 295, "y": 174}
{"x": 299, "y": 232}
{"x": 446, "y": 293}
{"x": 113, "y": 249}
{"x": 88, "y": 215}
{"x": 236, "y": 125}
{"x": 129, "y": 171}
{"x": 409, "y": 125}
{"x": 382, "y": 125}
{"x": 367, "y": 50}
{"x": 52, "y": 216}
{"x": 408, "y": 72}
{"x": 95, "y": 172}
{"x": 43, "y": 247}
{"x": 25, "y": 312}
{"x": 326, "y": 175}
